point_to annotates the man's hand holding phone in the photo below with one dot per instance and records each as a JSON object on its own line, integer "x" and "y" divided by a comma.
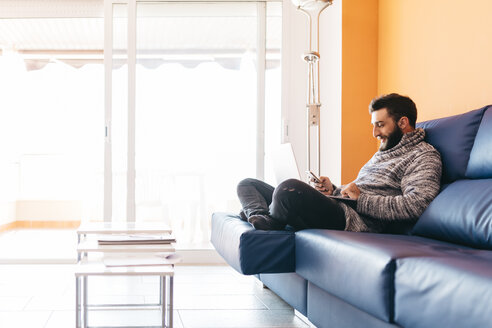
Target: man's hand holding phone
{"x": 322, "y": 184}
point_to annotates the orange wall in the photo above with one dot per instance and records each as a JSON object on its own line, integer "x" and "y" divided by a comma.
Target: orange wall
{"x": 437, "y": 52}
{"x": 359, "y": 83}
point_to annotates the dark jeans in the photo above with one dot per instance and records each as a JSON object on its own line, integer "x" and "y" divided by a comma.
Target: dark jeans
{"x": 293, "y": 202}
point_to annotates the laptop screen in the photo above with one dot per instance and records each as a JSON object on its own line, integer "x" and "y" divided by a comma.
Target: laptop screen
{"x": 284, "y": 163}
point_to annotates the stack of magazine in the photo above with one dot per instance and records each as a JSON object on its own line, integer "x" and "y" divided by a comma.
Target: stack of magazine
{"x": 137, "y": 239}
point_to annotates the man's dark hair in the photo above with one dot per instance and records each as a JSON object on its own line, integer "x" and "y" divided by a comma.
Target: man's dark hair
{"x": 397, "y": 106}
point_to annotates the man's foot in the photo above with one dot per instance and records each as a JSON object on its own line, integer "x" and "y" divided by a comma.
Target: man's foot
{"x": 243, "y": 216}
{"x": 264, "y": 222}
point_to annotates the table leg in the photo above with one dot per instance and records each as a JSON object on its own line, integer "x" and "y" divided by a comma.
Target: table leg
{"x": 171, "y": 296}
{"x": 163, "y": 300}
{"x": 160, "y": 290}
{"x": 84, "y": 301}
{"x": 77, "y": 302}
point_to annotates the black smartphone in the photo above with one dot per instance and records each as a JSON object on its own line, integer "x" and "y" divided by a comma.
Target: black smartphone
{"x": 313, "y": 176}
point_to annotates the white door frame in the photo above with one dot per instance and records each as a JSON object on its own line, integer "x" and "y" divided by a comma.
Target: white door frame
{"x": 108, "y": 105}
{"x": 131, "y": 60}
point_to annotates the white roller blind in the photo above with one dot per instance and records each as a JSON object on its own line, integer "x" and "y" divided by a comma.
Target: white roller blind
{"x": 78, "y": 25}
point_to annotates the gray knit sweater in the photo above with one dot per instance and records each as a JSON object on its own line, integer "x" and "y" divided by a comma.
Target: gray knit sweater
{"x": 396, "y": 186}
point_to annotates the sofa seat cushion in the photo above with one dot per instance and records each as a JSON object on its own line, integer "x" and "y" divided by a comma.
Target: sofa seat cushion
{"x": 251, "y": 251}
{"x": 359, "y": 267}
{"x": 454, "y": 291}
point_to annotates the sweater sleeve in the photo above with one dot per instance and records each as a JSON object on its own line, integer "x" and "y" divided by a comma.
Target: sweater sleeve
{"x": 420, "y": 185}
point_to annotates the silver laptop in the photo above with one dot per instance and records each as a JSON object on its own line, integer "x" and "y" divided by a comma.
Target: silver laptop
{"x": 284, "y": 163}
{"x": 285, "y": 167}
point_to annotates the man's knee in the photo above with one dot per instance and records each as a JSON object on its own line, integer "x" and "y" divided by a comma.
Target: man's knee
{"x": 289, "y": 188}
{"x": 290, "y": 185}
{"x": 247, "y": 182}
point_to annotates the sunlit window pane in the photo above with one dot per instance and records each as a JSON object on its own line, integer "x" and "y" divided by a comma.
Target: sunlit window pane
{"x": 196, "y": 111}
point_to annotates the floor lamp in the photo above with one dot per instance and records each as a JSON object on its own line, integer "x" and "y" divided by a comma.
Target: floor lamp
{"x": 312, "y": 9}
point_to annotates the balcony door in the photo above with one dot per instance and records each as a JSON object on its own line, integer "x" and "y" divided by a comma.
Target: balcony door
{"x": 192, "y": 103}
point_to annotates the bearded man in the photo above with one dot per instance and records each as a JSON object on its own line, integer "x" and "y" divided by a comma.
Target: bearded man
{"x": 389, "y": 194}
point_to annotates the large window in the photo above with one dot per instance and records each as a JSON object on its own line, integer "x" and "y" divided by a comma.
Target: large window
{"x": 201, "y": 72}
{"x": 206, "y": 108}
{"x": 51, "y": 112}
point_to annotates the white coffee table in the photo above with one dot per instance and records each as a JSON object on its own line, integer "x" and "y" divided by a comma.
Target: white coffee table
{"x": 103, "y": 228}
{"x": 92, "y": 246}
{"x": 87, "y": 268}
{"x": 87, "y": 243}
{"x": 122, "y": 227}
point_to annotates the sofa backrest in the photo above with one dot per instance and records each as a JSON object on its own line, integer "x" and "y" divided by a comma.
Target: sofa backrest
{"x": 453, "y": 137}
{"x": 462, "y": 212}
{"x": 480, "y": 163}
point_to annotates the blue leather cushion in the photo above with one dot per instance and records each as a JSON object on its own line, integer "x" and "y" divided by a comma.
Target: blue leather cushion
{"x": 453, "y": 291}
{"x": 461, "y": 213}
{"x": 453, "y": 137}
{"x": 480, "y": 164}
{"x": 359, "y": 267}
{"x": 291, "y": 287}
{"x": 251, "y": 251}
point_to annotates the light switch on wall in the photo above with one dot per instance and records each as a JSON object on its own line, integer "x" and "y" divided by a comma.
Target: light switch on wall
{"x": 285, "y": 130}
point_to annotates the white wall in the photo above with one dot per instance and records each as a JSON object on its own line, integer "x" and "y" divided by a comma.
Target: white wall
{"x": 9, "y": 175}
{"x": 49, "y": 210}
{"x": 294, "y": 79}
{"x": 7, "y": 212}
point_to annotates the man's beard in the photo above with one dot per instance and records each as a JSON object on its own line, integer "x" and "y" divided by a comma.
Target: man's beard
{"x": 392, "y": 140}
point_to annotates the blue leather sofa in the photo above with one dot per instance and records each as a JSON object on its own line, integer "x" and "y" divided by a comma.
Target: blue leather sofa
{"x": 437, "y": 275}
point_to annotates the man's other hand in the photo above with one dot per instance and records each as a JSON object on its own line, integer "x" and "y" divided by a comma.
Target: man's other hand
{"x": 324, "y": 185}
{"x": 350, "y": 190}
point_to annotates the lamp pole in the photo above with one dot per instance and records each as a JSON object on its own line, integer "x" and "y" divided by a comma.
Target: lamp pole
{"x": 313, "y": 9}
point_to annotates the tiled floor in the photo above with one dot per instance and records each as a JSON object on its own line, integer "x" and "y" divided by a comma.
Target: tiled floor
{"x": 43, "y": 295}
